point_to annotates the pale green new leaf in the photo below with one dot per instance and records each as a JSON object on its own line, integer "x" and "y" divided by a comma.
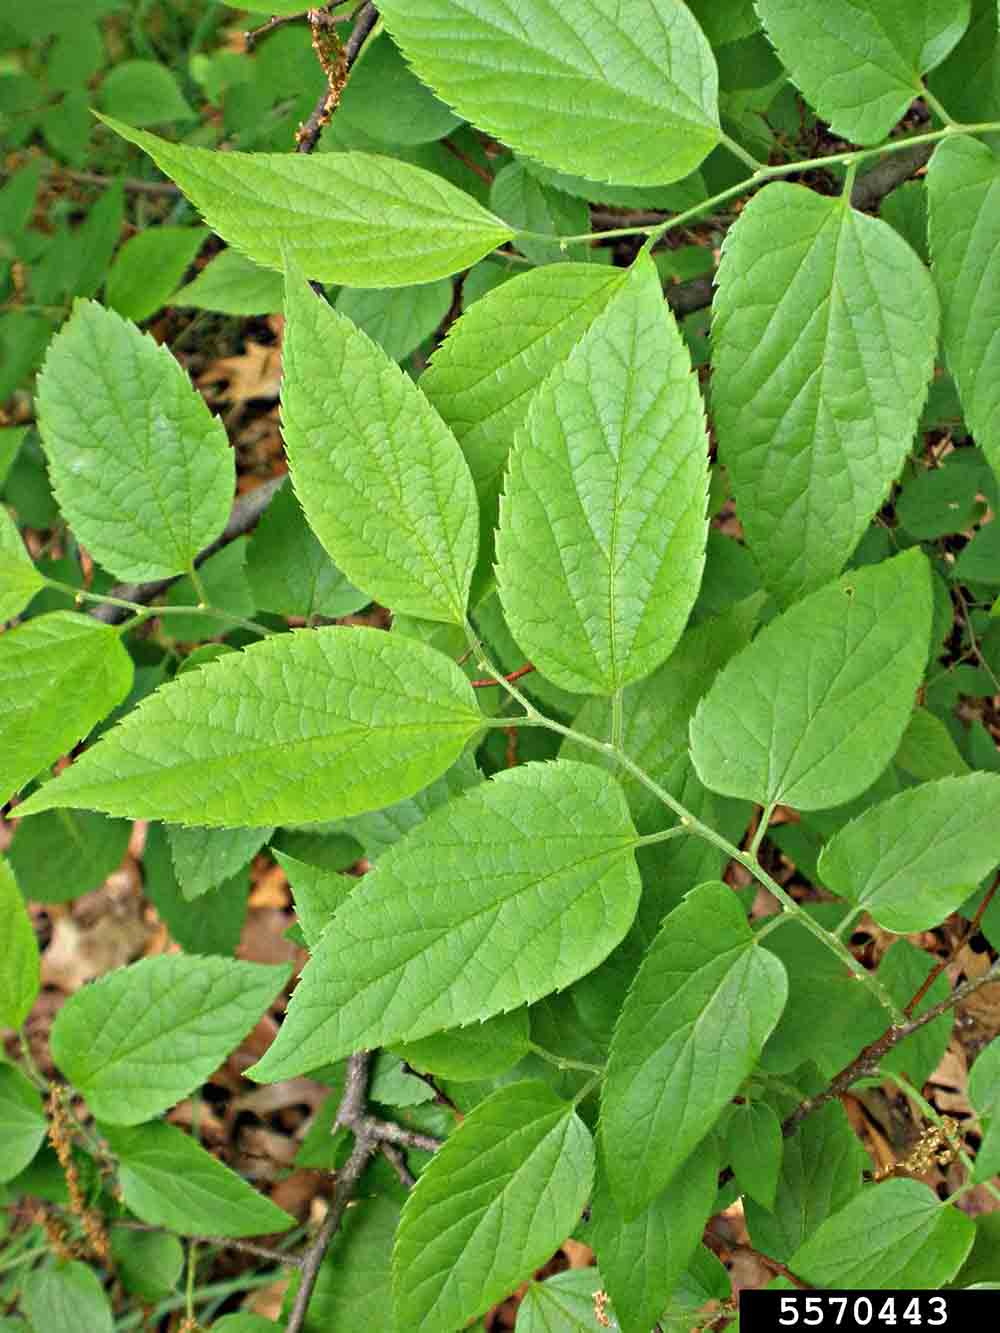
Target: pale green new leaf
{"x": 66, "y": 1297}
{"x": 859, "y": 62}
{"x": 624, "y": 93}
{"x": 19, "y": 966}
{"x": 812, "y": 712}
{"x": 290, "y": 718}
{"x": 169, "y": 1180}
{"x": 23, "y": 1126}
{"x": 825, "y": 330}
{"x": 204, "y": 857}
{"x": 355, "y": 218}
{"x": 703, "y": 1003}
{"x": 928, "y": 749}
{"x": 380, "y": 476}
{"x": 64, "y": 672}
{"x": 495, "y": 1202}
{"x": 19, "y": 579}
{"x": 509, "y": 892}
{"x": 642, "y": 1260}
{"x": 963, "y": 184}
{"x": 912, "y": 860}
{"x": 894, "y": 1235}
{"x": 141, "y": 469}
{"x": 483, "y": 376}
{"x": 605, "y": 500}
{"x": 139, "y": 1039}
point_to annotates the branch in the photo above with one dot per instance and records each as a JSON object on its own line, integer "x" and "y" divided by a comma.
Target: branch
{"x": 871, "y": 188}
{"x": 229, "y": 1242}
{"x": 335, "y": 67}
{"x": 245, "y": 513}
{"x": 511, "y": 675}
{"x": 716, "y": 1243}
{"x": 686, "y": 297}
{"x": 371, "y": 1135}
{"x": 866, "y": 1064}
{"x": 350, "y": 1112}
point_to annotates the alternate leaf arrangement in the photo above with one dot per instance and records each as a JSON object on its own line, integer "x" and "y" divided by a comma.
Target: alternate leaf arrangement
{"x": 548, "y": 938}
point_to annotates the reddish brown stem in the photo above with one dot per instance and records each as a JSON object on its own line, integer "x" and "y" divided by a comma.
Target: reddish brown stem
{"x": 514, "y": 675}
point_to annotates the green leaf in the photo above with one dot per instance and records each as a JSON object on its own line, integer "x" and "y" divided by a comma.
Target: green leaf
{"x": 342, "y": 217}
{"x": 232, "y": 284}
{"x": 494, "y": 1203}
{"x": 725, "y": 20}
{"x": 894, "y": 1235}
{"x": 529, "y": 205}
{"x": 755, "y": 1147}
{"x": 148, "y": 268}
{"x": 204, "y": 857}
{"x": 859, "y": 62}
{"x": 963, "y": 183}
{"x": 141, "y": 469}
{"x": 144, "y": 92}
{"x": 19, "y": 966}
{"x": 386, "y": 100}
{"x": 63, "y": 1298}
{"x": 969, "y": 80}
{"x": 65, "y": 673}
{"x": 67, "y": 853}
{"x": 168, "y": 1180}
{"x": 984, "y": 1093}
{"x": 223, "y": 578}
{"x": 482, "y": 1051}
{"x": 317, "y": 893}
{"x": 22, "y": 1120}
{"x": 139, "y": 1039}
{"x": 398, "y": 319}
{"x": 825, "y": 330}
{"x": 379, "y": 829}
{"x": 149, "y": 1263}
{"x": 288, "y": 570}
{"x": 942, "y": 500}
{"x": 546, "y": 886}
{"x": 927, "y": 749}
{"x": 829, "y": 1017}
{"x": 354, "y": 1286}
{"x": 914, "y": 859}
{"x": 903, "y": 971}
{"x": 561, "y": 1304}
{"x": 290, "y": 716}
{"x": 812, "y": 712}
{"x": 979, "y": 561}
{"x": 626, "y": 94}
{"x": 215, "y": 924}
{"x": 19, "y": 579}
{"x": 393, "y": 503}
{"x": 642, "y": 1261}
{"x": 605, "y": 500}
{"x": 984, "y": 1078}
{"x": 484, "y": 375}
{"x": 677, "y": 1055}
{"x": 820, "y": 1173}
